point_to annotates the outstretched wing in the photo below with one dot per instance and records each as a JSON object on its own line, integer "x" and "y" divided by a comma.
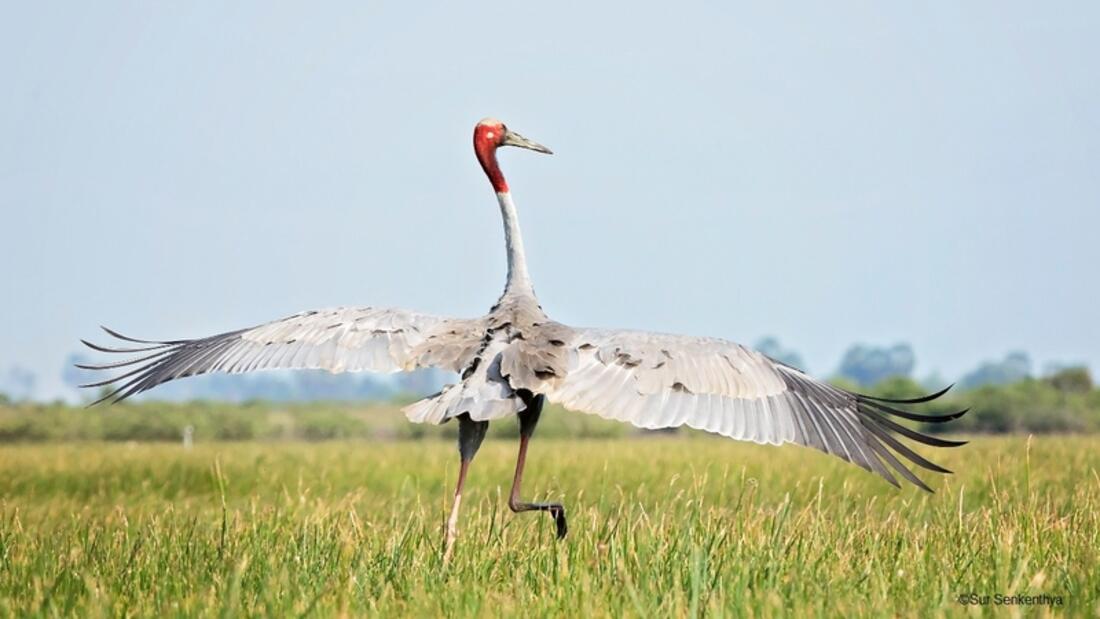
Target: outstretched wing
{"x": 660, "y": 381}
{"x": 361, "y": 339}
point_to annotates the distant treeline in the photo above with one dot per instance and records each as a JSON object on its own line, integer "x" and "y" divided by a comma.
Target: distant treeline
{"x": 1066, "y": 401}
{"x": 255, "y": 420}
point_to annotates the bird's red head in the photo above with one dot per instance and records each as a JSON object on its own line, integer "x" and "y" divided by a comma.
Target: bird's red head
{"x": 490, "y": 134}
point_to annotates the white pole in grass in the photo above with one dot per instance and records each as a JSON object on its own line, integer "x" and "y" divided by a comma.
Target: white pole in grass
{"x": 188, "y": 437}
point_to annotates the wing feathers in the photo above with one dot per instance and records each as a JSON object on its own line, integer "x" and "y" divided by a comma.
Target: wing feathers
{"x": 337, "y": 340}
{"x": 655, "y": 381}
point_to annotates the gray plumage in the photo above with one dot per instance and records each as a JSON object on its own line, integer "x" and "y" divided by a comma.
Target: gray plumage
{"x": 650, "y": 380}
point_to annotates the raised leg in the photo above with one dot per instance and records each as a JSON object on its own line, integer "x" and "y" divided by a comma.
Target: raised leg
{"x": 528, "y": 419}
{"x": 470, "y": 435}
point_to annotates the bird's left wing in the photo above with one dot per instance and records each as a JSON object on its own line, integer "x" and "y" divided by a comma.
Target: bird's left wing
{"x": 344, "y": 339}
{"x": 654, "y": 380}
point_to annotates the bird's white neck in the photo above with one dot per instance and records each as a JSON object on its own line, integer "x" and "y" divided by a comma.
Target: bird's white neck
{"x": 518, "y": 278}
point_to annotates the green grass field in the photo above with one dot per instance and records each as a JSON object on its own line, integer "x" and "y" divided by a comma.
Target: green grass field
{"x": 660, "y": 526}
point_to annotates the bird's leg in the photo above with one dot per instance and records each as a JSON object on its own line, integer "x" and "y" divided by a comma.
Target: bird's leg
{"x": 528, "y": 419}
{"x": 470, "y": 435}
{"x": 452, "y": 520}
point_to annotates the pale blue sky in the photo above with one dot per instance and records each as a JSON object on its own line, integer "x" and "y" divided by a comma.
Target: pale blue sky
{"x": 829, "y": 173}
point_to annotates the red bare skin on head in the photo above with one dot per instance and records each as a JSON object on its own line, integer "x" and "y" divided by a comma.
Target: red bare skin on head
{"x": 487, "y": 137}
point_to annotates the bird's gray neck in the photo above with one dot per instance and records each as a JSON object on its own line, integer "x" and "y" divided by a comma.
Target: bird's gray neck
{"x": 518, "y": 279}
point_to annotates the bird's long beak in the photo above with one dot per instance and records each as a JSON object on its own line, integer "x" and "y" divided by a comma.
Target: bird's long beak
{"x": 511, "y": 138}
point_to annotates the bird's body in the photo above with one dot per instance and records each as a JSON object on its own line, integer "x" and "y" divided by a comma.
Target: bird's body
{"x": 515, "y": 358}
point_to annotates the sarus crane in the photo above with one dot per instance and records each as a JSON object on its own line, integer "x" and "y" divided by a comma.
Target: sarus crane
{"x": 515, "y": 358}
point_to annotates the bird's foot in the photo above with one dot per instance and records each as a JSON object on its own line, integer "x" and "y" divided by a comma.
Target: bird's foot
{"x": 557, "y": 510}
{"x": 559, "y": 520}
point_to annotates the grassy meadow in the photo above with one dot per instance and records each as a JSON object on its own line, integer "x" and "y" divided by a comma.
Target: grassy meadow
{"x": 684, "y": 525}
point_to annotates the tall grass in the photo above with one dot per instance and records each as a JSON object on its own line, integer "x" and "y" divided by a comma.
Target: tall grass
{"x": 684, "y": 526}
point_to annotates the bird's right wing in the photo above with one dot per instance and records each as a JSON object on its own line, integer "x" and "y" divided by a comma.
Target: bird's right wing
{"x": 654, "y": 380}
{"x": 345, "y": 339}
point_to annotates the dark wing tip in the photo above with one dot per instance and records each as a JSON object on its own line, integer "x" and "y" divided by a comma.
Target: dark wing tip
{"x": 127, "y": 338}
{"x": 108, "y": 349}
{"x": 920, "y": 400}
{"x": 904, "y": 414}
{"x": 104, "y": 399}
{"x": 874, "y": 434}
{"x": 883, "y": 432}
